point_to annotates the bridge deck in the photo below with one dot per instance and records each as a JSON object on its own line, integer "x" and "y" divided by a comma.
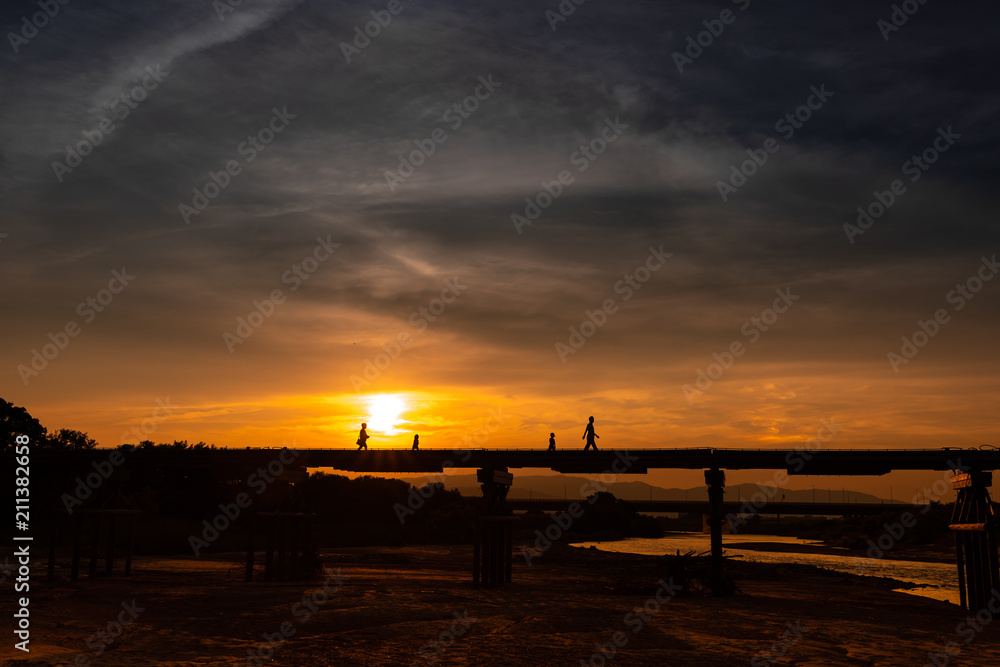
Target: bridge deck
{"x": 622, "y": 461}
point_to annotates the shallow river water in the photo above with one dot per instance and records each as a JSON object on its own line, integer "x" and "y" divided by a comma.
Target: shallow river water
{"x": 935, "y": 580}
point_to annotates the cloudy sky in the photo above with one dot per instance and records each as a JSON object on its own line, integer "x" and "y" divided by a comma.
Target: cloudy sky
{"x": 116, "y": 116}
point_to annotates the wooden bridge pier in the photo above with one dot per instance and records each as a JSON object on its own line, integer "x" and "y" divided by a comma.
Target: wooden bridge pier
{"x": 492, "y": 544}
{"x": 290, "y": 534}
{"x": 974, "y": 523}
{"x": 287, "y": 528}
{"x": 716, "y": 481}
{"x": 76, "y": 524}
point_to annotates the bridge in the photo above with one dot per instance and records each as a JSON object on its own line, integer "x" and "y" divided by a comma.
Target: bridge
{"x": 621, "y": 461}
{"x": 974, "y": 520}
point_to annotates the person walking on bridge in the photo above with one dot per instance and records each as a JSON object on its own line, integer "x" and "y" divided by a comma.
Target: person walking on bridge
{"x": 589, "y": 434}
{"x": 552, "y": 442}
{"x": 363, "y": 438}
{"x": 416, "y": 442}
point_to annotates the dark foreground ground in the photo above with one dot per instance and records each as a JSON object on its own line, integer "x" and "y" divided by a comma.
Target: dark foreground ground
{"x": 416, "y": 606}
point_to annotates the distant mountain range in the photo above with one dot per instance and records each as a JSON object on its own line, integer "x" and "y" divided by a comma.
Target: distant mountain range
{"x": 566, "y": 486}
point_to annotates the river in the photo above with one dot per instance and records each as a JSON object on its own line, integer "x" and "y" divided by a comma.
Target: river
{"x": 933, "y": 580}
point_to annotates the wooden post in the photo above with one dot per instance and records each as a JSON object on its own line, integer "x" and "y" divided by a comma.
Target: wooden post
{"x": 488, "y": 554}
{"x": 508, "y": 555}
{"x": 477, "y": 554}
{"x": 961, "y": 570}
{"x": 294, "y": 526}
{"x": 269, "y": 548}
{"x": 131, "y": 545}
{"x": 95, "y": 544}
{"x": 501, "y": 545}
{"x": 250, "y": 547}
{"x": 491, "y": 548}
{"x": 280, "y": 573}
{"x": 53, "y": 536}
{"x": 716, "y": 481}
{"x": 974, "y": 523}
{"x": 109, "y": 565}
{"x": 495, "y": 576}
{"x": 77, "y": 530}
{"x": 994, "y": 561}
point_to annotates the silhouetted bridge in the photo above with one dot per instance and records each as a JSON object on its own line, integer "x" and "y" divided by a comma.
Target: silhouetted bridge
{"x": 973, "y": 519}
{"x": 623, "y": 461}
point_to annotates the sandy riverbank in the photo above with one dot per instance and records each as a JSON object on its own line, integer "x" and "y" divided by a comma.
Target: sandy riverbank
{"x": 395, "y": 602}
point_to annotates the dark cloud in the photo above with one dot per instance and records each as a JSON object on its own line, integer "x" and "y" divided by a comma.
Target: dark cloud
{"x": 324, "y": 175}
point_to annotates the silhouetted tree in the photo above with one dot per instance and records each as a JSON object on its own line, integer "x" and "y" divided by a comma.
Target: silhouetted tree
{"x": 67, "y": 438}
{"x": 15, "y": 420}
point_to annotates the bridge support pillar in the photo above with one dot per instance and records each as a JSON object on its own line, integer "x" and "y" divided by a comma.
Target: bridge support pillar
{"x": 491, "y": 548}
{"x": 291, "y": 534}
{"x": 974, "y": 523}
{"x": 716, "y": 481}
{"x": 77, "y": 523}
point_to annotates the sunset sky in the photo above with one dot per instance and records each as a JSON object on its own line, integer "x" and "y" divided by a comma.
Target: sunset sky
{"x": 507, "y": 99}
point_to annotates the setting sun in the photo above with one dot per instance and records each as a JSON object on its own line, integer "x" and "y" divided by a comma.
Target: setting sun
{"x": 384, "y": 412}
